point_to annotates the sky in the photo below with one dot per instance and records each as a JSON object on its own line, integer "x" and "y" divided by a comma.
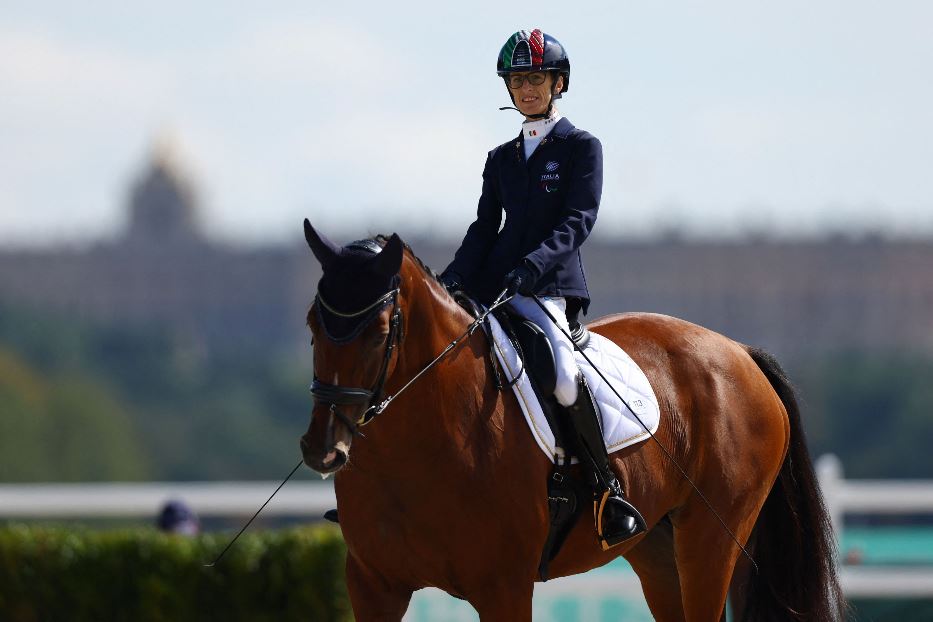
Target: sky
{"x": 716, "y": 118}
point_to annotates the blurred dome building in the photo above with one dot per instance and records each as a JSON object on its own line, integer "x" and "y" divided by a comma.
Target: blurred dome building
{"x": 162, "y": 207}
{"x": 164, "y": 271}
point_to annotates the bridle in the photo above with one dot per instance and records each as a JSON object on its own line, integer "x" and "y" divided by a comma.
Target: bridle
{"x": 337, "y": 395}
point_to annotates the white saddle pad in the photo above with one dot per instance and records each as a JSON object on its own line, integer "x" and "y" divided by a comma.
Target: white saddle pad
{"x": 621, "y": 426}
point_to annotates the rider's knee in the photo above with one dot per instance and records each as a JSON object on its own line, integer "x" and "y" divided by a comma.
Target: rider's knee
{"x": 566, "y": 389}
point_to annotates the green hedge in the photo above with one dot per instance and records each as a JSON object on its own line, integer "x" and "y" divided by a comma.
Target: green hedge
{"x": 51, "y": 574}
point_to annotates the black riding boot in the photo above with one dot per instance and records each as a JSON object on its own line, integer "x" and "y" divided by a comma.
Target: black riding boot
{"x": 617, "y": 520}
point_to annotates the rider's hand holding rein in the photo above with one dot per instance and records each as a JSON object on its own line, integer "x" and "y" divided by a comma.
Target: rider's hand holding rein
{"x": 521, "y": 280}
{"x": 451, "y": 281}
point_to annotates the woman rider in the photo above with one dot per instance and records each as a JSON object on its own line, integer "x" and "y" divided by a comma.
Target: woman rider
{"x": 548, "y": 182}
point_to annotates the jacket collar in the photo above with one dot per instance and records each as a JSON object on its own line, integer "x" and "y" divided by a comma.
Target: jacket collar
{"x": 562, "y": 129}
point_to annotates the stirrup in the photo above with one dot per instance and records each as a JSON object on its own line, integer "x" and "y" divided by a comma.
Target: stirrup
{"x": 628, "y": 521}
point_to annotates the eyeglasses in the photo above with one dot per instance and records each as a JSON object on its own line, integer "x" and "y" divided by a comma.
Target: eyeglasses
{"x": 535, "y": 78}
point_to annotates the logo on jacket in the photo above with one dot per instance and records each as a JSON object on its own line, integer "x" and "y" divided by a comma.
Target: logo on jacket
{"x": 551, "y": 166}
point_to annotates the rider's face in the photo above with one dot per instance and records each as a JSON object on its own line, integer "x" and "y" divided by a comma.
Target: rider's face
{"x": 533, "y": 99}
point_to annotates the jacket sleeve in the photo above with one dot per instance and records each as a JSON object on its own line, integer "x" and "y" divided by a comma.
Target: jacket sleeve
{"x": 483, "y": 232}
{"x": 579, "y": 212}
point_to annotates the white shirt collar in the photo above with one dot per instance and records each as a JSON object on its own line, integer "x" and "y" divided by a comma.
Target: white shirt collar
{"x": 538, "y": 129}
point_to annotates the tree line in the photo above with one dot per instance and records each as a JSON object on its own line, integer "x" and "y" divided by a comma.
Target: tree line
{"x": 86, "y": 402}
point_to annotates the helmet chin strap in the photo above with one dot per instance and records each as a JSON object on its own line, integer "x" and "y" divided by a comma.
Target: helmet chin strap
{"x": 542, "y": 115}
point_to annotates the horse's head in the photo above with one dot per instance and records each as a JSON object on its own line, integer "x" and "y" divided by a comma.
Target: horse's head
{"x": 355, "y": 322}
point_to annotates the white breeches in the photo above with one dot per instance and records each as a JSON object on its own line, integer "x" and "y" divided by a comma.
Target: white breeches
{"x": 566, "y": 389}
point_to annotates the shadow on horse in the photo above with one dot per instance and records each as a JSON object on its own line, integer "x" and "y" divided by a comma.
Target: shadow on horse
{"x": 447, "y": 487}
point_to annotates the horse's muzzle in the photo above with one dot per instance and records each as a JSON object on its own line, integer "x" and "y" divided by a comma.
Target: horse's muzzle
{"x": 325, "y": 463}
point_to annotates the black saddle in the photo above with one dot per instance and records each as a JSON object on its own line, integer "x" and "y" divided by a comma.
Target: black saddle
{"x": 536, "y": 351}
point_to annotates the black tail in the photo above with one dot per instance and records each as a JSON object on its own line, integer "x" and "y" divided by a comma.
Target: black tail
{"x": 794, "y": 544}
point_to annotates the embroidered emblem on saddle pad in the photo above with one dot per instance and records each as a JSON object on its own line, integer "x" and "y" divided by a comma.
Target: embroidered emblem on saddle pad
{"x": 620, "y": 425}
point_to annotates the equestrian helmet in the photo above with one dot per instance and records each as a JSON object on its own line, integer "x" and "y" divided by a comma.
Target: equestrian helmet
{"x": 533, "y": 50}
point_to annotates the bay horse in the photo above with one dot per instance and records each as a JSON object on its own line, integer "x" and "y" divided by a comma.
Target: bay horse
{"x": 447, "y": 488}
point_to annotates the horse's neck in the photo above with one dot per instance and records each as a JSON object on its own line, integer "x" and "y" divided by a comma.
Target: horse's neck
{"x": 450, "y": 436}
{"x": 443, "y": 404}
{"x": 435, "y": 320}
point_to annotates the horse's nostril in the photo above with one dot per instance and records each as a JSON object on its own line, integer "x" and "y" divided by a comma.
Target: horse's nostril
{"x": 339, "y": 459}
{"x": 324, "y": 463}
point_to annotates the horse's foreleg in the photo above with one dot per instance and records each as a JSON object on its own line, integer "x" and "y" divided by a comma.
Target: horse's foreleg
{"x": 506, "y": 602}
{"x": 375, "y": 598}
{"x": 653, "y": 561}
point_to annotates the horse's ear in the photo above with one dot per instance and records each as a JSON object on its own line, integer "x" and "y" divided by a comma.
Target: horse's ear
{"x": 389, "y": 260}
{"x": 325, "y": 250}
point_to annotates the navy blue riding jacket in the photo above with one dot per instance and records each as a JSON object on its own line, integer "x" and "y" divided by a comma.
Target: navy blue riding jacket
{"x": 550, "y": 204}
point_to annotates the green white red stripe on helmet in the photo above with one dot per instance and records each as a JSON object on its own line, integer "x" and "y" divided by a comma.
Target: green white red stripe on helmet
{"x": 536, "y": 42}
{"x": 508, "y": 49}
{"x": 524, "y": 49}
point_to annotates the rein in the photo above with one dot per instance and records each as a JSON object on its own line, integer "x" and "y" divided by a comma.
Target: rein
{"x": 453, "y": 344}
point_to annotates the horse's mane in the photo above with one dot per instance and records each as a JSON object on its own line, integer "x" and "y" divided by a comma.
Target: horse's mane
{"x": 381, "y": 240}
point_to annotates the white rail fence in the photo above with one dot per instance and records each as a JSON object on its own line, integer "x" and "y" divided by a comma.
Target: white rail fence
{"x": 312, "y": 499}
{"x": 144, "y": 500}
{"x": 870, "y": 496}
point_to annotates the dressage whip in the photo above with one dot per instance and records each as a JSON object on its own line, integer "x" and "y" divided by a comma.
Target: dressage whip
{"x": 653, "y": 437}
{"x": 214, "y": 563}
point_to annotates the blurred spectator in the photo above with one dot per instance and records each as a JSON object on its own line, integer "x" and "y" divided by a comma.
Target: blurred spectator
{"x": 854, "y": 557}
{"x": 176, "y": 517}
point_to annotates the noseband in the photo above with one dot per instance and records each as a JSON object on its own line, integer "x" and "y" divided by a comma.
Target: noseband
{"x": 337, "y": 395}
